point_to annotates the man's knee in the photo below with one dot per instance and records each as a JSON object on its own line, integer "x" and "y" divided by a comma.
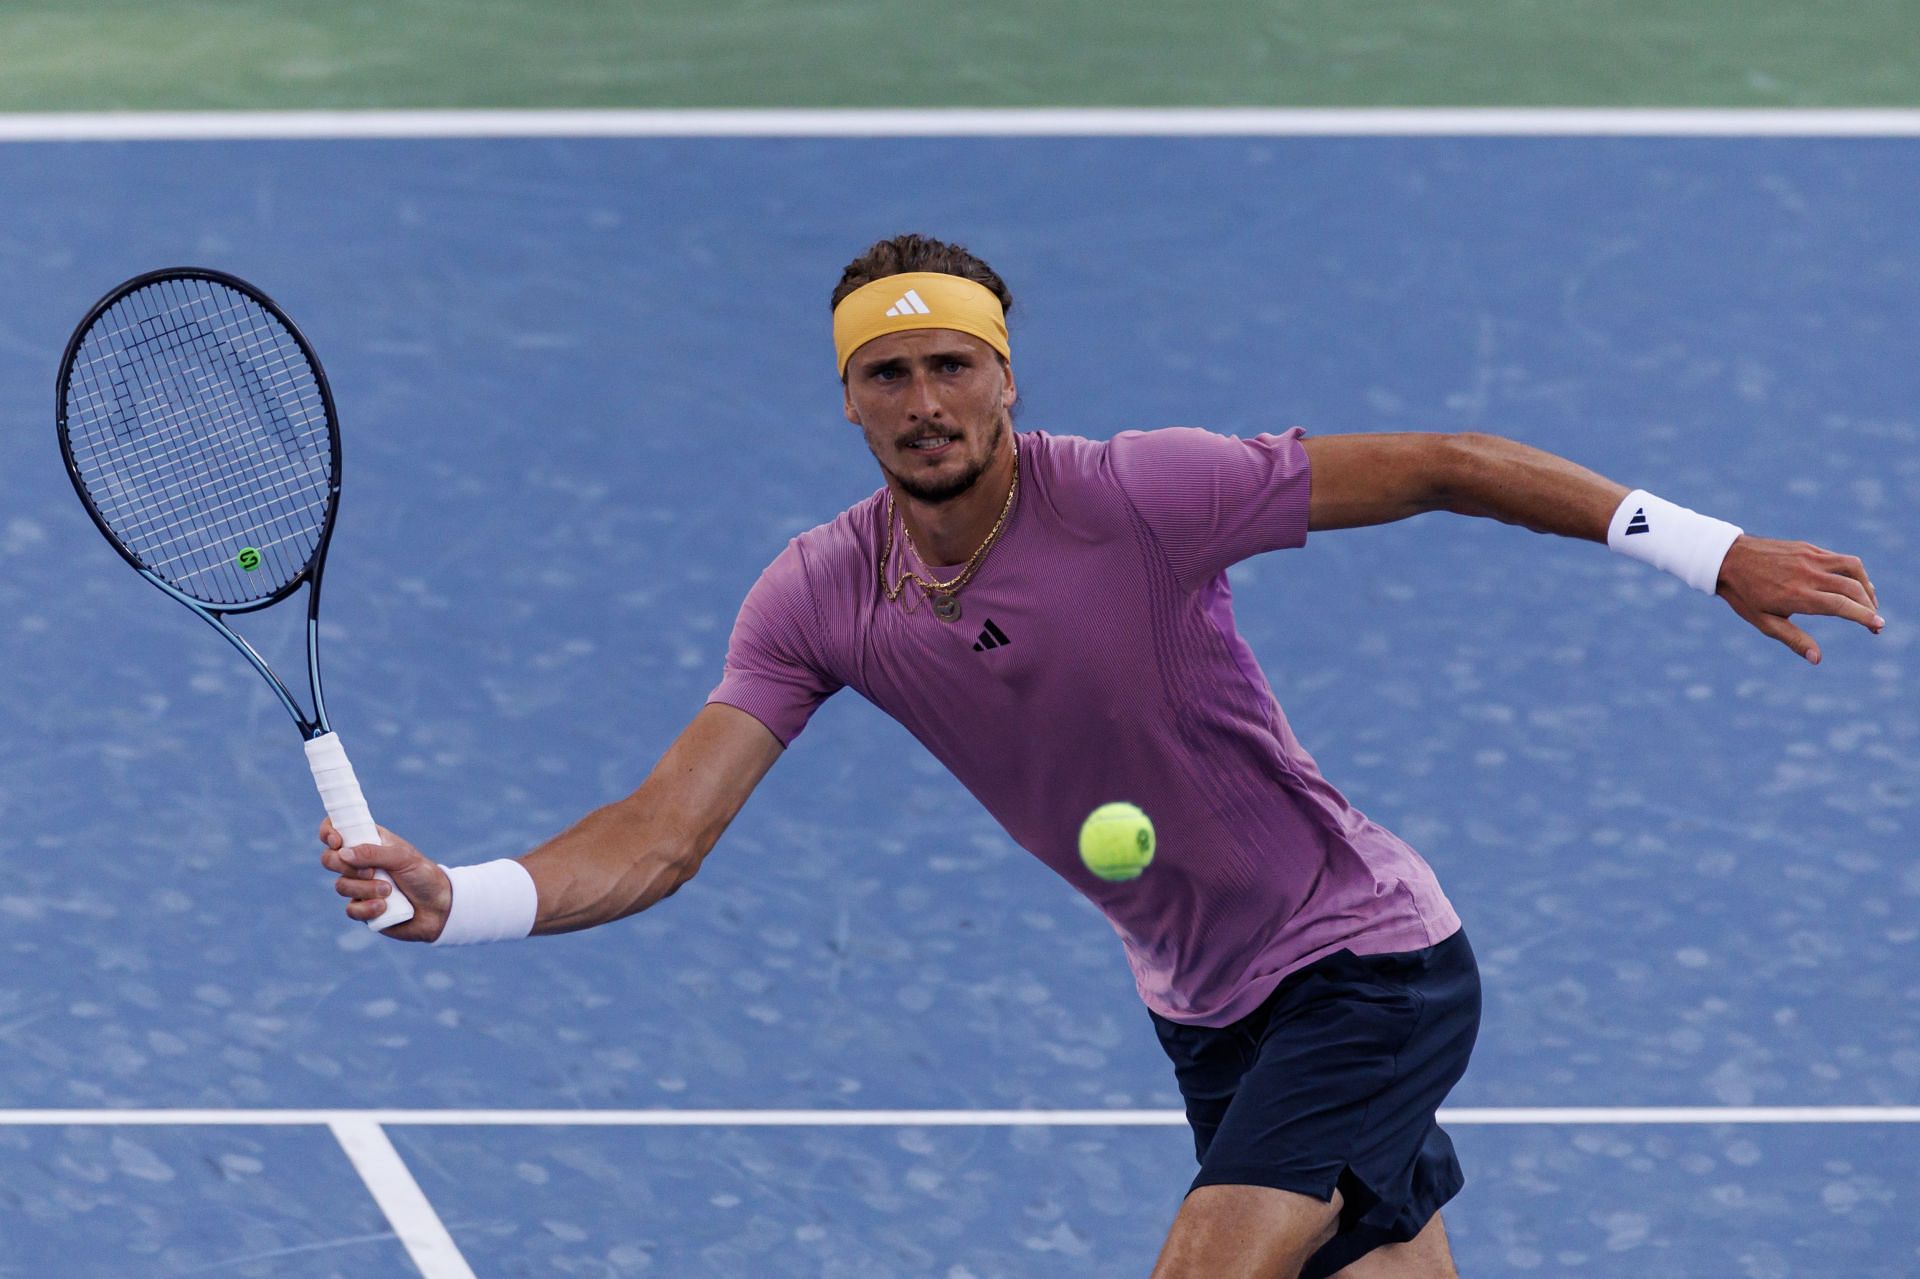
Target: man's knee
{"x": 1245, "y": 1232}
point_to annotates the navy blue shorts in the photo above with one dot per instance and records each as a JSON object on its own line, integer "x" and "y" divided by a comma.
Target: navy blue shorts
{"x": 1332, "y": 1083}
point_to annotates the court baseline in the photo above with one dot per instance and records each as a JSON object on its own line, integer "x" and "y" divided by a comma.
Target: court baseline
{"x": 961, "y": 122}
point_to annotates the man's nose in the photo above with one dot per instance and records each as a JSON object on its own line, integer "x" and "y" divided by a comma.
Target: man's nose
{"x": 923, "y": 402}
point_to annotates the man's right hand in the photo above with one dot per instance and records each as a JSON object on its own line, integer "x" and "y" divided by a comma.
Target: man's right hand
{"x": 423, "y": 882}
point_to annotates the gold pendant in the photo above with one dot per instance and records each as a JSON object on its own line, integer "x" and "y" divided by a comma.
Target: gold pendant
{"x": 946, "y": 608}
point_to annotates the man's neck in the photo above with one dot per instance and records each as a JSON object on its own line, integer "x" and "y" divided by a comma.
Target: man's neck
{"x": 946, "y": 534}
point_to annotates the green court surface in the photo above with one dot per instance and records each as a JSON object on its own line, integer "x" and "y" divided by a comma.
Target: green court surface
{"x": 262, "y": 54}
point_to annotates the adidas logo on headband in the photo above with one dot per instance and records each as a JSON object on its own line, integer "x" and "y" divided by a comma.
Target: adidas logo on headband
{"x": 910, "y": 304}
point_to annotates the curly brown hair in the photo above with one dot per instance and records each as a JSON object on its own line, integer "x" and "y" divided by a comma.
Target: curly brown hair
{"x": 904, "y": 253}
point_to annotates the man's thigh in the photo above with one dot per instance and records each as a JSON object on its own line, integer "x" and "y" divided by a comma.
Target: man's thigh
{"x": 1245, "y": 1232}
{"x": 1425, "y": 1256}
{"x": 1332, "y": 1087}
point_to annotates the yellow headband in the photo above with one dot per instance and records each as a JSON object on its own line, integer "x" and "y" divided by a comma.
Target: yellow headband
{"x": 917, "y": 300}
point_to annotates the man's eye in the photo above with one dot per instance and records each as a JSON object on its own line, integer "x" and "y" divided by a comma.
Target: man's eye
{"x": 954, "y": 366}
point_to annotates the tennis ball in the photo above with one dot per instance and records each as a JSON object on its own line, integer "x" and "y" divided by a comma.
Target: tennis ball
{"x": 1116, "y": 841}
{"x": 248, "y": 558}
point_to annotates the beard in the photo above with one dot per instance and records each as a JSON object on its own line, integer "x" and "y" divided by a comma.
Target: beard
{"x": 941, "y": 491}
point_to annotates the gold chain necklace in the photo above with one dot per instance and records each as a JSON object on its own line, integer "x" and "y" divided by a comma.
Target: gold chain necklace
{"x": 945, "y": 606}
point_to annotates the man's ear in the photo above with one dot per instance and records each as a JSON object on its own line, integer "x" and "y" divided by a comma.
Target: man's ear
{"x": 1013, "y": 392}
{"x": 846, "y": 397}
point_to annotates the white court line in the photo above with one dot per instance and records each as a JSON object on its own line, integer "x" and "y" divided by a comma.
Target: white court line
{"x": 1467, "y": 1115}
{"x": 413, "y": 1219}
{"x": 120, "y": 126}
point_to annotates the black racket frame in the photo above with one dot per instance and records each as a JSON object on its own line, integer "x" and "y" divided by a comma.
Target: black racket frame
{"x": 312, "y": 726}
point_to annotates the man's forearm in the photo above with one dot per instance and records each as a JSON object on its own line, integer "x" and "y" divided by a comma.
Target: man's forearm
{"x": 623, "y": 858}
{"x": 1514, "y": 483}
{"x": 614, "y": 862}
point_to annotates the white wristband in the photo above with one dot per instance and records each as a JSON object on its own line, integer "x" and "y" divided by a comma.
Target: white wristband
{"x": 1685, "y": 543}
{"x": 494, "y": 901}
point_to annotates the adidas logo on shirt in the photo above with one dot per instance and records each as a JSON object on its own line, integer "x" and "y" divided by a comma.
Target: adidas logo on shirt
{"x": 910, "y": 305}
{"x": 991, "y": 637}
{"x": 1638, "y": 524}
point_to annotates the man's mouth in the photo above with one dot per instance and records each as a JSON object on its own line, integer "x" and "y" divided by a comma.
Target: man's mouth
{"x": 931, "y": 443}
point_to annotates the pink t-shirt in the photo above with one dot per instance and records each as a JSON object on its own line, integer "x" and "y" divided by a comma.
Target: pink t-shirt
{"x": 1096, "y": 660}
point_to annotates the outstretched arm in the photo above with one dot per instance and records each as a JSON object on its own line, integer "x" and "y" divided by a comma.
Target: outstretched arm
{"x": 1375, "y": 479}
{"x": 1358, "y": 480}
{"x": 616, "y": 861}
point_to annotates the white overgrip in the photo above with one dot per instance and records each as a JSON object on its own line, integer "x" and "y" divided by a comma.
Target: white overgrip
{"x": 347, "y": 807}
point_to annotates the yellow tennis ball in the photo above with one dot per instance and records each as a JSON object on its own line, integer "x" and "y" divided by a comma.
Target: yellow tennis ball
{"x": 1116, "y": 841}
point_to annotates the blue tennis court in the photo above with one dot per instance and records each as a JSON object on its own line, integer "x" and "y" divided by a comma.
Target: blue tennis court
{"x": 588, "y": 393}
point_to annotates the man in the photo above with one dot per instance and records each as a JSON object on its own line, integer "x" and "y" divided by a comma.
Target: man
{"x": 1050, "y": 617}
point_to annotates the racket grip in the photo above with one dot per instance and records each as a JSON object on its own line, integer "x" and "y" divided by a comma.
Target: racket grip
{"x": 347, "y": 807}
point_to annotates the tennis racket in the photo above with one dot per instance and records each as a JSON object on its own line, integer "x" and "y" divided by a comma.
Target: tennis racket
{"x": 198, "y": 430}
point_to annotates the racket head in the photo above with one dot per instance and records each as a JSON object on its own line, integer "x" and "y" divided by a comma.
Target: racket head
{"x": 197, "y": 425}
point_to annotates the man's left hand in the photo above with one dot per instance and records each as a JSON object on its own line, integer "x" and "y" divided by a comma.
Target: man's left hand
{"x": 1767, "y": 582}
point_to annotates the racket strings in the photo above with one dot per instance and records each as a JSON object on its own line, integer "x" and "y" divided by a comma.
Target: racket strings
{"x": 215, "y": 469}
{"x": 223, "y": 393}
{"x": 188, "y": 396}
{"x": 218, "y": 396}
{"x": 173, "y": 468}
{"x": 196, "y": 422}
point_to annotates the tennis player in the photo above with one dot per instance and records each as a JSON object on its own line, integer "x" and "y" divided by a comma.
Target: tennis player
{"x": 1050, "y": 616}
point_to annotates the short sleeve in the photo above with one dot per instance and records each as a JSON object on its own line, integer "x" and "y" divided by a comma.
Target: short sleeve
{"x": 775, "y": 671}
{"x": 1213, "y": 500}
